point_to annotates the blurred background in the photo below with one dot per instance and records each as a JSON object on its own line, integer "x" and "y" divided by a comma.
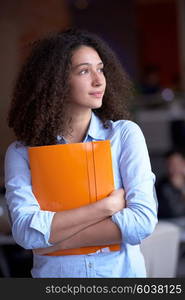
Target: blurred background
{"x": 148, "y": 37}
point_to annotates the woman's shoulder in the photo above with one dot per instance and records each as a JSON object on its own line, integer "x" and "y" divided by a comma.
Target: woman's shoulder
{"x": 126, "y": 127}
{"x": 17, "y": 147}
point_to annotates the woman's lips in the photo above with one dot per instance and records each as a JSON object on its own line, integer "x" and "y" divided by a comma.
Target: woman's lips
{"x": 96, "y": 94}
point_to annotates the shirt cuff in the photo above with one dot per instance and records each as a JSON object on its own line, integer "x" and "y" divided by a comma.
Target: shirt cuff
{"x": 128, "y": 231}
{"x": 41, "y": 222}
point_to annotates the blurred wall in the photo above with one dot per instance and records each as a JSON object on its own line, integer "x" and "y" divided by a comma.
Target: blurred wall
{"x": 158, "y": 40}
{"x": 181, "y": 38}
{"x": 22, "y": 21}
{"x": 114, "y": 21}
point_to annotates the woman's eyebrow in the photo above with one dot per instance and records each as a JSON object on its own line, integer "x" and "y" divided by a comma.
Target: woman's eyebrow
{"x": 85, "y": 64}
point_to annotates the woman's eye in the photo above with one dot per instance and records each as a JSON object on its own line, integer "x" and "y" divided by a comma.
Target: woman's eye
{"x": 101, "y": 70}
{"x": 83, "y": 71}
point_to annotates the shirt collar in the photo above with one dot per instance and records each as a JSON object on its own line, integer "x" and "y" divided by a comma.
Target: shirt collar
{"x": 96, "y": 130}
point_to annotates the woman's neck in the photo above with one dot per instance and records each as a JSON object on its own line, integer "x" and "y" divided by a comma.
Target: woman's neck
{"x": 78, "y": 126}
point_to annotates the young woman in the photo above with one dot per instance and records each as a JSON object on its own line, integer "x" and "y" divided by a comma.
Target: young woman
{"x": 72, "y": 89}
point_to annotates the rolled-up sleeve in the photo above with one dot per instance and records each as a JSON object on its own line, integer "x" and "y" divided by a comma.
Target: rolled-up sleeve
{"x": 139, "y": 218}
{"x": 30, "y": 225}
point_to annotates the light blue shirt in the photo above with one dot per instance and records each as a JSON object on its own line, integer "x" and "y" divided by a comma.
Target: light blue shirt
{"x": 132, "y": 170}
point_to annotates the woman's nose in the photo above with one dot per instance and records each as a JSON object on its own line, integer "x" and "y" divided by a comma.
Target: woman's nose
{"x": 96, "y": 79}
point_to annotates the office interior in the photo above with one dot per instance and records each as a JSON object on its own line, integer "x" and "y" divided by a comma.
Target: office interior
{"x": 148, "y": 37}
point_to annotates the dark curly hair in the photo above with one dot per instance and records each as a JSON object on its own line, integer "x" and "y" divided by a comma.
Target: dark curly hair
{"x": 37, "y": 111}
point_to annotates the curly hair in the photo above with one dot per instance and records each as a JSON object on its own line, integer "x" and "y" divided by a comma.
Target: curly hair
{"x": 37, "y": 111}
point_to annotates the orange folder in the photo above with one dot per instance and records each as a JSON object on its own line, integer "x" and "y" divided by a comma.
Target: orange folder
{"x": 68, "y": 176}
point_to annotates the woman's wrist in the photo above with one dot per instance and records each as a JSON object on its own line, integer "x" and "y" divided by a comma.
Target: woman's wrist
{"x": 104, "y": 207}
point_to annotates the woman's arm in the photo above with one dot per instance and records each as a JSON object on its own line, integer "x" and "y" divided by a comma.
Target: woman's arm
{"x": 67, "y": 223}
{"x": 102, "y": 233}
{"x": 139, "y": 218}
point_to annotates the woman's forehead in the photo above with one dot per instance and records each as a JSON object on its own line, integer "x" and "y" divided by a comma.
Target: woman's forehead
{"x": 85, "y": 54}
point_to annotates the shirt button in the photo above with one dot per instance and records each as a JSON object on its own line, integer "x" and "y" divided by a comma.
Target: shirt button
{"x": 90, "y": 265}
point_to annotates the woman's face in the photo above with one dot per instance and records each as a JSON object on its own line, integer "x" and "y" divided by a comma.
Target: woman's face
{"x": 176, "y": 165}
{"x": 87, "y": 80}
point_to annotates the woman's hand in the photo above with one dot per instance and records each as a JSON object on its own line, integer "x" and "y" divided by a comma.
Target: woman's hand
{"x": 115, "y": 201}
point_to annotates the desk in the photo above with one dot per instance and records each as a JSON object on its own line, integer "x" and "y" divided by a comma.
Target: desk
{"x": 6, "y": 239}
{"x": 180, "y": 222}
{"x": 4, "y": 266}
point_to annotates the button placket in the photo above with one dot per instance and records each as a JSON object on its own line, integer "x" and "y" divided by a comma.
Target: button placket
{"x": 90, "y": 267}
